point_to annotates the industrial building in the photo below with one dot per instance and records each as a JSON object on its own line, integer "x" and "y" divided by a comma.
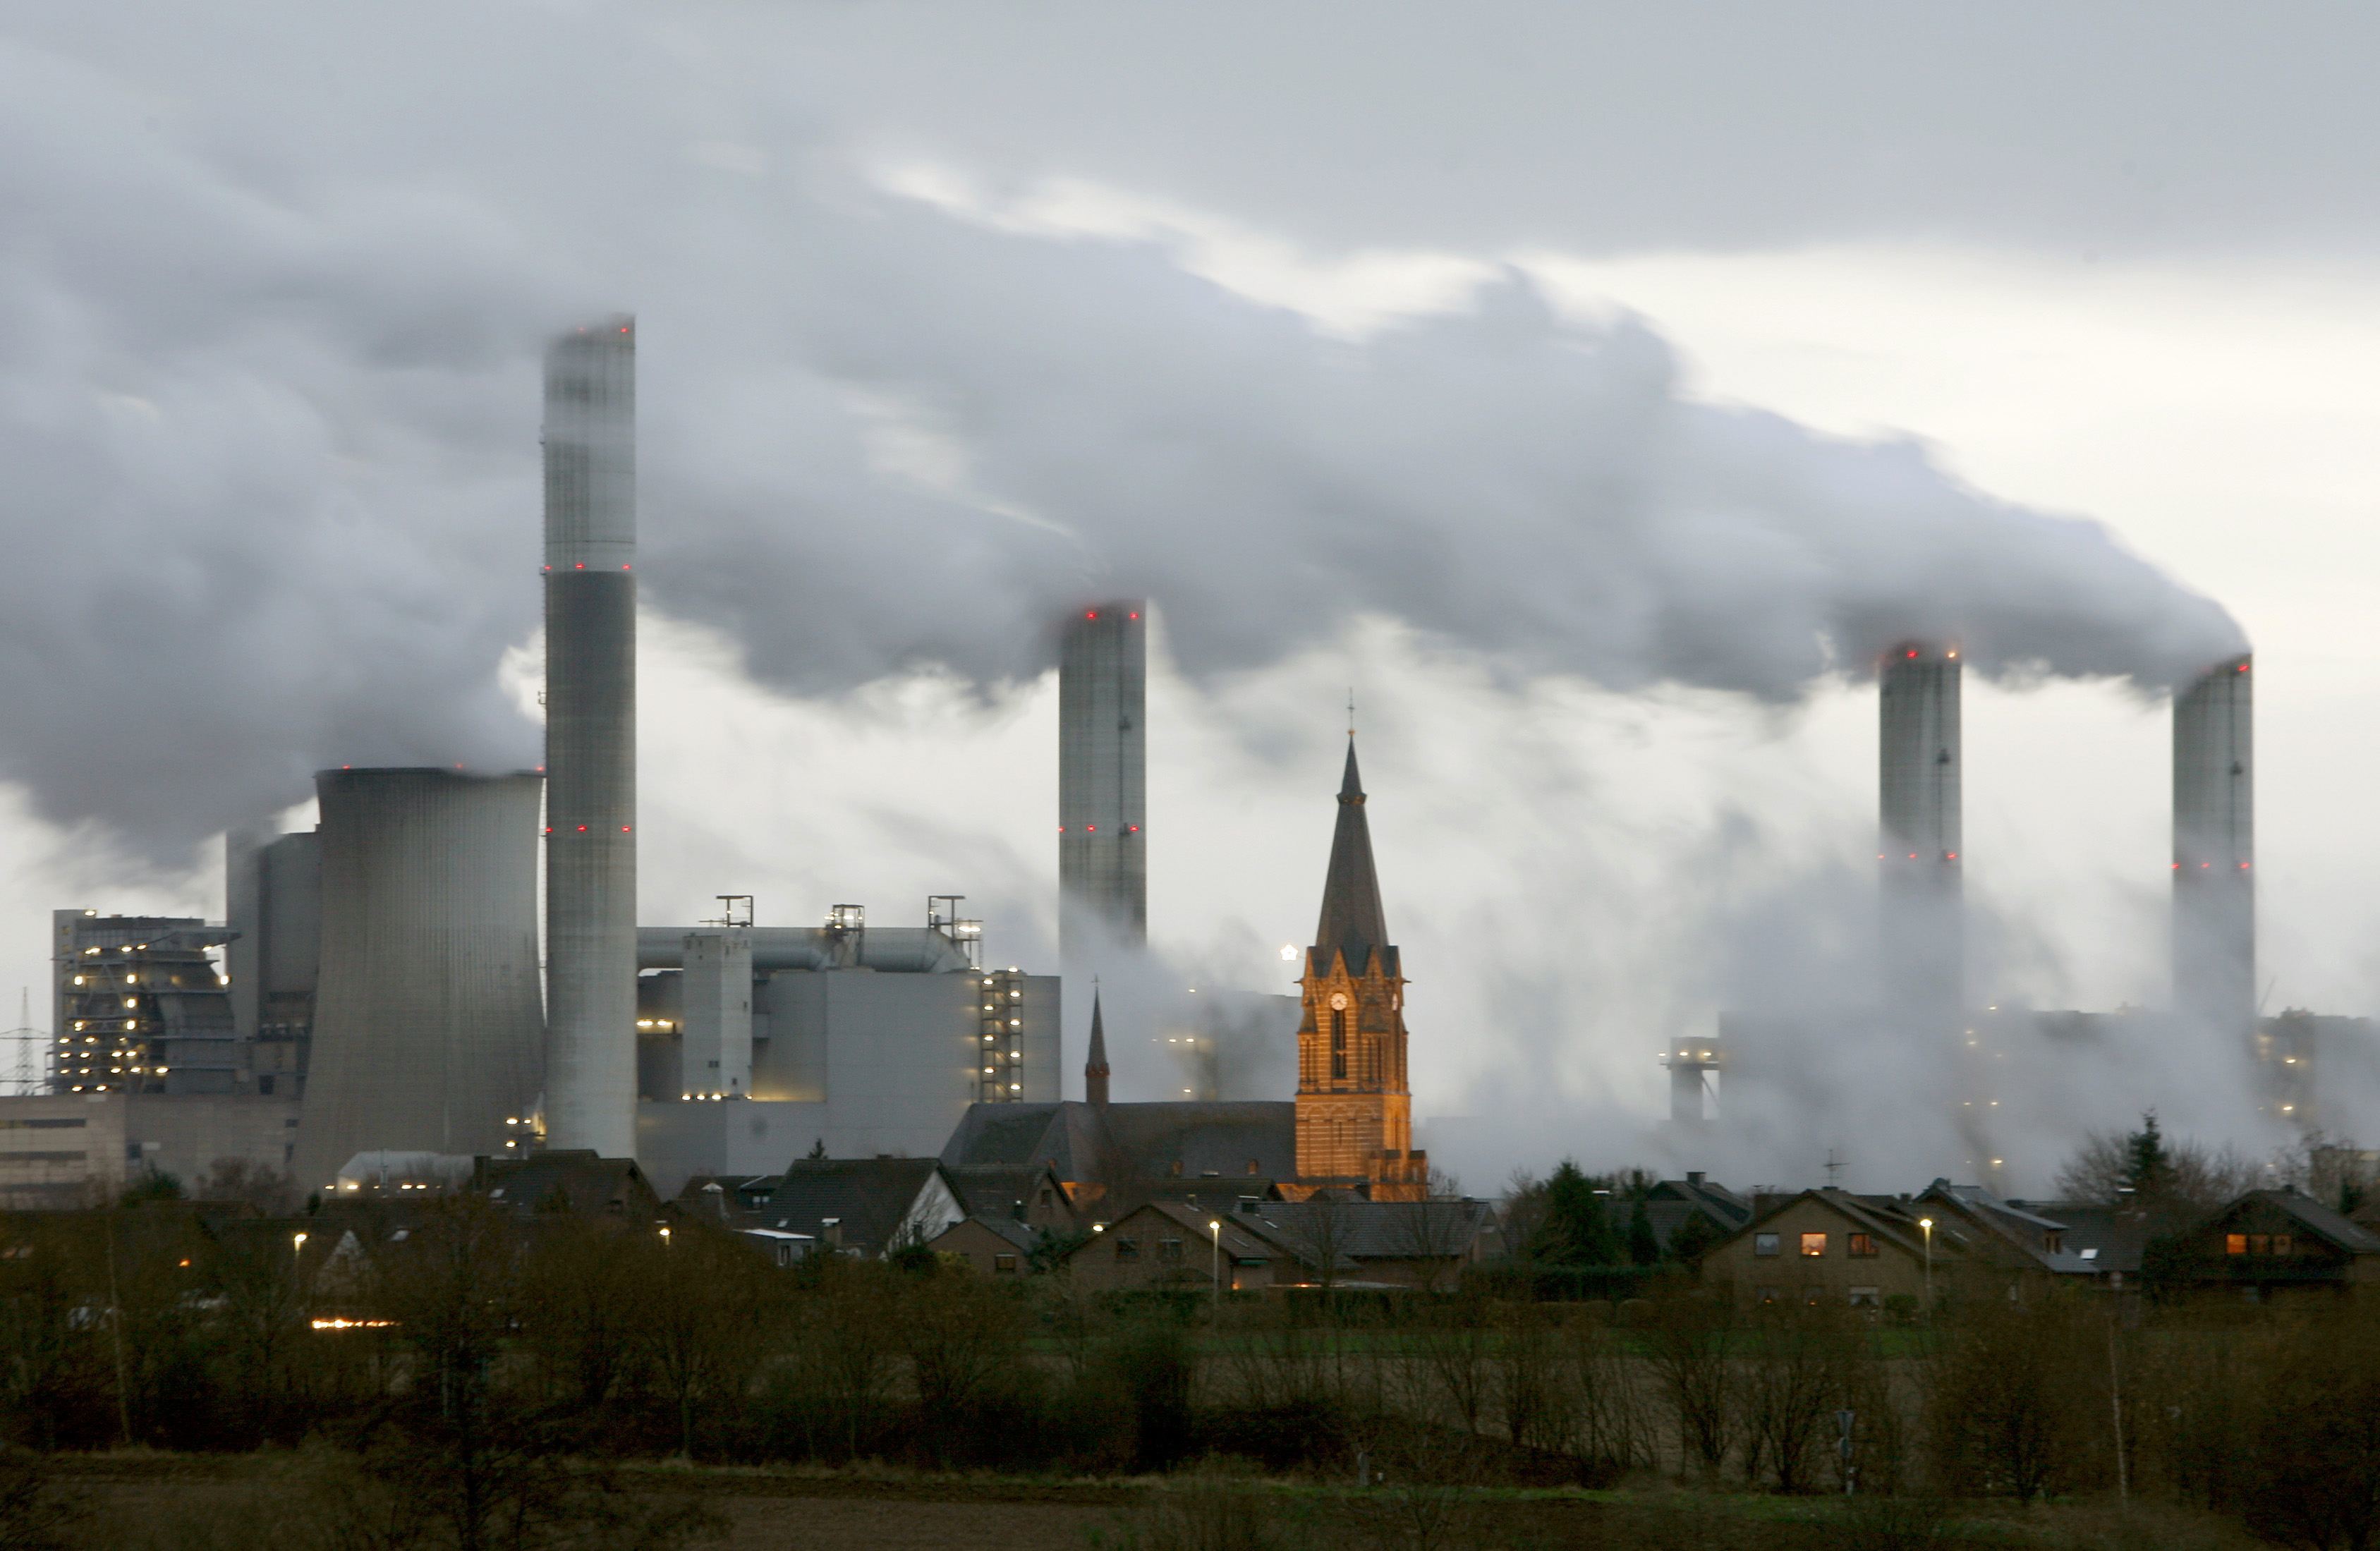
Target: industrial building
{"x": 139, "y": 1005}
{"x": 428, "y": 1025}
{"x": 758, "y": 1043}
{"x": 272, "y": 891}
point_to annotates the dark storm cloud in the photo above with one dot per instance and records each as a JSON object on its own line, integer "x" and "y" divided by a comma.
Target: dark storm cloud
{"x": 269, "y": 295}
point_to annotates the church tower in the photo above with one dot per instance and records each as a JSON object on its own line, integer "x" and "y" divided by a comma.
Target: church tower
{"x": 1355, "y": 1111}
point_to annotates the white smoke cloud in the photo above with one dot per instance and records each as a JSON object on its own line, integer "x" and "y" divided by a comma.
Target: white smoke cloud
{"x": 270, "y": 402}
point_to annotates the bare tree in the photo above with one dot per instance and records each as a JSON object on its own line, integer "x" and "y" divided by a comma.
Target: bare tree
{"x": 271, "y": 1191}
{"x": 1692, "y": 1344}
{"x": 2155, "y": 1172}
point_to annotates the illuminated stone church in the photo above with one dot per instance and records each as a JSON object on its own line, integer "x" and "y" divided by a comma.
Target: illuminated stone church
{"x": 1354, "y": 1109}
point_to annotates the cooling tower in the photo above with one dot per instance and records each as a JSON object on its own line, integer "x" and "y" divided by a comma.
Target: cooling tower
{"x": 1924, "y": 926}
{"x": 426, "y": 1025}
{"x": 1102, "y": 782}
{"x": 2214, "y": 849}
{"x": 590, "y": 739}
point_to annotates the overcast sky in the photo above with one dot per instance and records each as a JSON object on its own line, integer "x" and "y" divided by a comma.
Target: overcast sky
{"x": 1594, "y": 389}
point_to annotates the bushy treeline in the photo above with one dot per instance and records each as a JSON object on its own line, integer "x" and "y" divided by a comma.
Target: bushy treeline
{"x": 477, "y": 1349}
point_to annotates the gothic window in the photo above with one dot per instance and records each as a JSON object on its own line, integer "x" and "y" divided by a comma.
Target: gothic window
{"x": 1337, "y": 1043}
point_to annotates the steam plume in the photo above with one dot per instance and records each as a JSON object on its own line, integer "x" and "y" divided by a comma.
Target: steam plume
{"x": 270, "y": 404}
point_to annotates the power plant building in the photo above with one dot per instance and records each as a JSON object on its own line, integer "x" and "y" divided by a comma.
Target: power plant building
{"x": 427, "y": 1028}
{"x": 138, "y": 1006}
{"x": 865, "y": 1041}
{"x": 590, "y": 739}
{"x": 273, "y": 888}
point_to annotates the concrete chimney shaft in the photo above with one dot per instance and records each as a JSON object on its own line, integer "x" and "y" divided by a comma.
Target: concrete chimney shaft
{"x": 1919, "y": 845}
{"x": 590, "y": 739}
{"x": 2214, "y": 849}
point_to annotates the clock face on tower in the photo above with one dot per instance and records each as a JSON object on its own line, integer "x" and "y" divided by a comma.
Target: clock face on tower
{"x": 1339, "y": 1002}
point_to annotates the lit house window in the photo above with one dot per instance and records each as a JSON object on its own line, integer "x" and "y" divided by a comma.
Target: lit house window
{"x": 1814, "y": 1244}
{"x": 1859, "y": 1246}
{"x": 1765, "y": 1244}
{"x": 2235, "y": 1243}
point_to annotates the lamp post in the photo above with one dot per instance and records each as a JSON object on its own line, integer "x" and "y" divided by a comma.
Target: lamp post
{"x": 1928, "y": 1224}
{"x": 1216, "y": 1227}
{"x": 297, "y": 1265}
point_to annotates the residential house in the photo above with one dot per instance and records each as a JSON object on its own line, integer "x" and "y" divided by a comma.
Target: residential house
{"x": 2272, "y": 1243}
{"x": 995, "y": 1246}
{"x": 1166, "y": 1244}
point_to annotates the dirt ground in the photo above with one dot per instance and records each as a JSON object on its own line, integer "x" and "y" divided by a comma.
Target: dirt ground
{"x": 858, "y": 1525}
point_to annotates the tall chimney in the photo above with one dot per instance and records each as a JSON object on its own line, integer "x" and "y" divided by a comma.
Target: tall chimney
{"x": 591, "y": 738}
{"x": 1924, "y": 924}
{"x": 1102, "y": 782}
{"x": 2214, "y": 849}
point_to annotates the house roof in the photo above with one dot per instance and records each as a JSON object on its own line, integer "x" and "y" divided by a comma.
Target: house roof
{"x": 2100, "y": 1239}
{"x": 569, "y": 1180}
{"x": 2021, "y": 1228}
{"x": 1360, "y": 1230}
{"x": 2309, "y": 1214}
{"x": 871, "y": 1198}
{"x": 1006, "y": 1229}
{"x": 1239, "y": 1242}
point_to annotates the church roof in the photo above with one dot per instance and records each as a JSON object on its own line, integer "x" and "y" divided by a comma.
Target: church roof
{"x": 1115, "y": 1143}
{"x": 1352, "y": 922}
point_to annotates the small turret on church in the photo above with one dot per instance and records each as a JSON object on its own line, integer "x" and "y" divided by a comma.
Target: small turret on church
{"x": 1354, "y": 1110}
{"x": 1095, "y": 1066}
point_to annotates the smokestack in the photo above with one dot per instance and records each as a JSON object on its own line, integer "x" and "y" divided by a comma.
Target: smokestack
{"x": 1102, "y": 782}
{"x": 2214, "y": 849}
{"x": 1924, "y": 920}
{"x": 427, "y": 1022}
{"x": 590, "y": 739}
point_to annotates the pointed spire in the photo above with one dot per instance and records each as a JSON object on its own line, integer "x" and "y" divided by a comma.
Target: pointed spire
{"x": 1353, "y": 921}
{"x": 1094, "y": 1068}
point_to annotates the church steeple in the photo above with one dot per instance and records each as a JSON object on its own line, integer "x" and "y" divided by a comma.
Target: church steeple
{"x": 1355, "y": 1111}
{"x": 1094, "y": 1068}
{"x": 1352, "y": 922}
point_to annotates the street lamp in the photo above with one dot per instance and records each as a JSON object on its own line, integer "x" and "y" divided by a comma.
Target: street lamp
{"x": 1216, "y": 1227}
{"x": 296, "y": 1262}
{"x": 665, "y": 1239}
{"x": 1928, "y": 1224}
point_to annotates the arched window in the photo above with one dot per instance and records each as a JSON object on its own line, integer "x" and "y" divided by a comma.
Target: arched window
{"x": 1337, "y": 1042}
